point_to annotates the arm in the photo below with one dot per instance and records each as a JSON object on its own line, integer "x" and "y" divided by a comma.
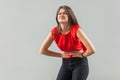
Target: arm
{"x": 46, "y": 44}
{"x": 90, "y": 48}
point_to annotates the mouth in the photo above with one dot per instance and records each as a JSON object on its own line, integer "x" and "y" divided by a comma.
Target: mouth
{"x": 62, "y": 18}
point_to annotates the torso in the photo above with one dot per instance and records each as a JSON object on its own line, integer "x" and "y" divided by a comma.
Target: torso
{"x": 68, "y": 41}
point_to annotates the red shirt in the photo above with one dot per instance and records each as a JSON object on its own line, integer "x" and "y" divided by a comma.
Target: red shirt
{"x": 68, "y": 42}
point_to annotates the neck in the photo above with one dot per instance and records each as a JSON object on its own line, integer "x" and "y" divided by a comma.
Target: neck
{"x": 64, "y": 27}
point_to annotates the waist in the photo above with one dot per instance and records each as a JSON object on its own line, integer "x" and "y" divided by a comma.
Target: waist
{"x": 73, "y": 54}
{"x": 70, "y": 56}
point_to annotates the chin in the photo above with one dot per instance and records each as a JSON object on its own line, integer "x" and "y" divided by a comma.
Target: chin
{"x": 63, "y": 21}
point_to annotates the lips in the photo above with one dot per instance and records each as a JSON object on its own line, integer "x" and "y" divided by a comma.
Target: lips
{"x": 62, "y": 18}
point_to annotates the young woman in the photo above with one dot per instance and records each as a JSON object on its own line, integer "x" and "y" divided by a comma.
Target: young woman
{"x": 74, "y": 45}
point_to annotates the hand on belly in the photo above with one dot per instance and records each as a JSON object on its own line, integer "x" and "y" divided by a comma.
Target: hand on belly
{"x": 72, "y": 54}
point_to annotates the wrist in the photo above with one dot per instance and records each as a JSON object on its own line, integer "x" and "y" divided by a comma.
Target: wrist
{"x": 83, "y": 55}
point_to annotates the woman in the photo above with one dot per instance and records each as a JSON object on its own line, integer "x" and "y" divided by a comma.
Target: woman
{"x": 74, "y": 45}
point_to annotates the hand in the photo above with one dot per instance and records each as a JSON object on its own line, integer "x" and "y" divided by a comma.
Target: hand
{"x": 66, "y": 54}
{"x": 72, "y": 54}
{"x": 78, "y": 53}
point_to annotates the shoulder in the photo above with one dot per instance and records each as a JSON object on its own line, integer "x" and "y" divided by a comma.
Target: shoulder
{"x": 75, "y": 27}
{"x": 54, "y": 29}
{"x": 80, "y": 33}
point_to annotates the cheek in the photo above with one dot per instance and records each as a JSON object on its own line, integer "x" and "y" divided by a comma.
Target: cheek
{"x": 66, "y": 18}
{"x": 58, "y": 17}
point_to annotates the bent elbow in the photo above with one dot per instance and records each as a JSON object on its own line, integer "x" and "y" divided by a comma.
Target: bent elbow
{"x": 93, "y": 51}
{"x": 42, "y": 51}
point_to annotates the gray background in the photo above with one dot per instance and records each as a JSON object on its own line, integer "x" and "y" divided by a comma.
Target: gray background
{"x": 24, "y": 24}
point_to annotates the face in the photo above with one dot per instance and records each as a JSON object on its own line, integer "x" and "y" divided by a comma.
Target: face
{"x": 62, "y": 16}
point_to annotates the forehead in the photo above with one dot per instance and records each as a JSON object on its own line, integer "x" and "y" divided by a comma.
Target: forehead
{"x": 62, "y": 10}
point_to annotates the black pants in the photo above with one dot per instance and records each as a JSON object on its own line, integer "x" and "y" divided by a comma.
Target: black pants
{"x": 73, "y": 69}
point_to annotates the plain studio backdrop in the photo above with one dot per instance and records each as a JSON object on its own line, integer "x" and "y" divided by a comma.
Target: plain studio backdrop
{"x": 24, "y": 24}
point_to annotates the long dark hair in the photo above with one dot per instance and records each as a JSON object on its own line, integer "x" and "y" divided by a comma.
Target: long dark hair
{"x": 71, "y": 17}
